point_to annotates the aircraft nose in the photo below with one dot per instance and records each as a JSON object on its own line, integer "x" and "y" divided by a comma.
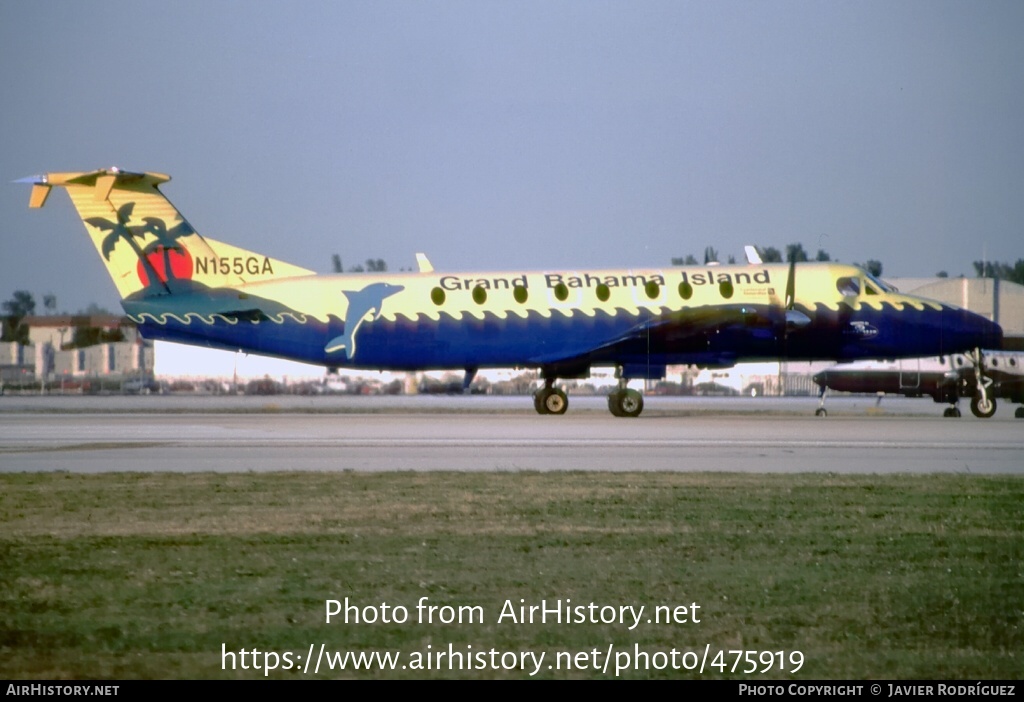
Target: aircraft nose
{"x": 964, "y": 330}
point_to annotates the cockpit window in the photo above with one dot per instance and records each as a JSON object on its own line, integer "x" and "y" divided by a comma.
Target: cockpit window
{"x": 848, "y": 286}
{"x": 879, "y": 283}
{"x": 851, "y": 286}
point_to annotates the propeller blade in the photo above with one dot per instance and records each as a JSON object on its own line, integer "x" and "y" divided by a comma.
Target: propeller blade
{"x": 791, "y": 285}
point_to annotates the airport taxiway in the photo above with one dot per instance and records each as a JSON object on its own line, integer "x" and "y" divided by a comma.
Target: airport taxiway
{"x": 498, "y": 434}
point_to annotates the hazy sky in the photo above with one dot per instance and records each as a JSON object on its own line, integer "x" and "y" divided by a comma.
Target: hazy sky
{"x": 522, "y": 135}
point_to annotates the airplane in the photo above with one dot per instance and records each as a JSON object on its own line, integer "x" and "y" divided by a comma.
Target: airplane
{"x": 943, "y": 378}
{"x": 177, "y": 285}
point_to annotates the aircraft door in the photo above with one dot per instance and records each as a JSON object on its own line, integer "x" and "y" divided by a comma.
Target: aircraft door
{"x": 910, "y": 373}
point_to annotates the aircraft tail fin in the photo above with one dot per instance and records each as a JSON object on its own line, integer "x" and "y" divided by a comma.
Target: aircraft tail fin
{"x": 149, "y": 248}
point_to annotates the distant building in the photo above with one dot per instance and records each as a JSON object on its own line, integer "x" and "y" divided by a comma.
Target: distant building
{"x": 76, "y": 347}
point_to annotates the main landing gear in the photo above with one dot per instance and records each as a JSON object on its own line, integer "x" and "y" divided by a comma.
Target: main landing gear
{"x": 622, "y": 402}
{"x": 550, "y": 400}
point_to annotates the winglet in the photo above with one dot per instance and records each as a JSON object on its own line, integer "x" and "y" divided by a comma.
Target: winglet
{"x": 424, "y": 264}
{"x": 753, "y": 257}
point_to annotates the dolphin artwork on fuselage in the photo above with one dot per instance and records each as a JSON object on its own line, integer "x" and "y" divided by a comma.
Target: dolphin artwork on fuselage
{"x": 178, "y": 285}
{"x": 360, "y": 303}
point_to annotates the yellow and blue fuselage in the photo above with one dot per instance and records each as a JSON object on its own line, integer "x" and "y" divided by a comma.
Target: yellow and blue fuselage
{"x": 180, "y": 286}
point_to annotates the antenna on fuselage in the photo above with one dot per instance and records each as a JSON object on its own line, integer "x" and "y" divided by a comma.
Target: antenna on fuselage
{"x": 423, "y": 263}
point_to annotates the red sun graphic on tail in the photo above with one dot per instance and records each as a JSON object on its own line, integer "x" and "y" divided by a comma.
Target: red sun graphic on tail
{"x": 160, "y": 258}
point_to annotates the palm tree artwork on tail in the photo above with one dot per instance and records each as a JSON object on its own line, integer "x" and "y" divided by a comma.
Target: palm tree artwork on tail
{"x": 166, "y": 248}
{"x": 166, "y": 242}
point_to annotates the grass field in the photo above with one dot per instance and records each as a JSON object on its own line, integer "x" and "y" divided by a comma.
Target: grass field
{"x": 119, "y": 576}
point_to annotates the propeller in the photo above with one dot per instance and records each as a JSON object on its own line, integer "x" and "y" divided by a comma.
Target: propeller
{"x": 795, "y": 319}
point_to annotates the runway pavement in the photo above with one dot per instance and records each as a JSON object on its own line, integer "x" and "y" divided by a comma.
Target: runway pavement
{"x": 489, "y": 434}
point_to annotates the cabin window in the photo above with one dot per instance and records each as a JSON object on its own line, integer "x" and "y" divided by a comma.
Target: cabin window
{"x": 685, "y": 290}
{"x": 652, "y": 289}
{"x": 603, "y": 292}
{"x": 562, "y": 292}
{"x": 1013, "y": 361}
{"x": 520, "y": 294}
{"x": 725, "y": 288}
{"x": 848, "y": 286}
{"x": 479, "y": 295}
{"x": 437, "y": 296}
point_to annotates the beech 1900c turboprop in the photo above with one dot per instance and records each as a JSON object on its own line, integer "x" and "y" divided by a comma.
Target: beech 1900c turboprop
{"x": 943, "y": 378}
{"x": 180, "y": 286}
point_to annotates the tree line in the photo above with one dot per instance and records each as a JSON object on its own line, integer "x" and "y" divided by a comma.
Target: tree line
{"x": 1013, "y": 273}
{"x": 770, "y": 254}
{"x": 1004, "y": 271}
{"x": 373, "y": 265}
{"x": 23, "y": 304}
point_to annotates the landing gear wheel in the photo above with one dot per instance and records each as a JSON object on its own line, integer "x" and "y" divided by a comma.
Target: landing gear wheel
{"x": 1019, "y": 414}
{"x": 983, "y": 407}
{"x": 613, "y": 402}
{"x": 821, "y": 412}
{"x": 550, "y": 401}
{"x": 626, "y": 403}
{"x": 538, "y": 403}
{"x": 951, "y": 412}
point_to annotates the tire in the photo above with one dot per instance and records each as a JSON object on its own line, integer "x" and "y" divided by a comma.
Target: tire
{"x": 626, "y": 403}
{"x": 983, "y": 410}
{"x": 538, "y": 404}
{"x": 555, "y": 401}
{"x": 613, "y": 403}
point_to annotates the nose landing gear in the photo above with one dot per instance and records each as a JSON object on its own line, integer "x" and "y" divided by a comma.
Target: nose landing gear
{"x": 821, "y": 411}
{"x": 983, "y": 405}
